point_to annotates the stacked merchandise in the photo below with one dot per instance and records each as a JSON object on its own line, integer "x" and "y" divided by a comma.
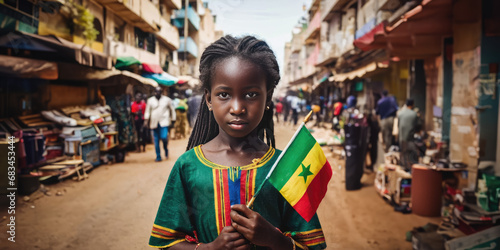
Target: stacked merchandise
{"x": 469, "y": 222}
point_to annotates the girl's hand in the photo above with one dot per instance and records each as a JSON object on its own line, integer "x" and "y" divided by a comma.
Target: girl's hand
{"x": 256, "y": 229}
{"x": 228, "y": 238}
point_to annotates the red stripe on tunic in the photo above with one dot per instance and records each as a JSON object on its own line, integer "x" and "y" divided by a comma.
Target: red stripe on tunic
{"x": 308, "y": 204}
{"x": 227, "y": 201}
{"x": 220, "y": 221}
{"x": 243, "y": 181}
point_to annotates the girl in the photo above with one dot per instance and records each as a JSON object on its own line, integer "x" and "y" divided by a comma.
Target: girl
{"x": 203, "y": 206}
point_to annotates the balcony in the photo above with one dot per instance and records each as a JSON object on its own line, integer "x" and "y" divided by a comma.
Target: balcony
{"x": 312, "y": 32}
{"x": 191, "y": 49}
{"x": 297, "y": 42}
{"x": 194, "y": 19}
{"x": 173, "y": 4}
{"x": 142, "y": 14}
{"x": 168, "y": 34}
{"x": 330, "y": 7}
{"x": 118, "y": 49}
{"x": 328, "y": 54}
{"x": 313, "y": 57}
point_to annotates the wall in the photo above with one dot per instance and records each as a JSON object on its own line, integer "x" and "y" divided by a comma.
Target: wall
{"x": 489, "y": 93}
{"x": 433, "y": 91}
{"x": 65, "y": 95}
{"x": 57, "y": 25}
{"x": 497, "y": 169}
{"x": 418, "y": 86}
{"x": 466, "y": 61}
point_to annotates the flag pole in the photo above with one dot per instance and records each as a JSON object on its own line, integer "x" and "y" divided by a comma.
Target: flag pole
{"x": 250, "y": 203}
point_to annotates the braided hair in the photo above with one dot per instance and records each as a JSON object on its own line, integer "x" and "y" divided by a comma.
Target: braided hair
{"x": 247, "y": 48}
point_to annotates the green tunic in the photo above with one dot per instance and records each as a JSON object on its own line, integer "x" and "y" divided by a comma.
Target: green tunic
{"x": 199, "y": 193}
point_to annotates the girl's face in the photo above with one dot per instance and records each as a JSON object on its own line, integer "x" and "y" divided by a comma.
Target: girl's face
{"x": 238, "y": 96}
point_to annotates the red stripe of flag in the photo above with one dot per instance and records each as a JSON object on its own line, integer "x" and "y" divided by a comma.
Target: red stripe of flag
{"x": 308, "y": 204}
{"x": 243, "y": 182}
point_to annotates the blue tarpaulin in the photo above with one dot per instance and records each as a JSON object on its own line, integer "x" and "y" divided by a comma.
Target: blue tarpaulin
{"x": 163, "y": 78}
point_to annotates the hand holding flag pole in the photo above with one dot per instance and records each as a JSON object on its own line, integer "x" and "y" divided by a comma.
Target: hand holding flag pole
{"x": 301, "y": 173}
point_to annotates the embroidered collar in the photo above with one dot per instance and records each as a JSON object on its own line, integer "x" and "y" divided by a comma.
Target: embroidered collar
{"x": 256, "y": 163}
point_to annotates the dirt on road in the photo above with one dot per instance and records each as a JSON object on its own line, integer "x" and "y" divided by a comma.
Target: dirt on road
{"x": 116, "y": 206}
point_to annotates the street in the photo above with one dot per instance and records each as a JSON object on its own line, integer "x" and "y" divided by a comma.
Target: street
{"x": 116, "y": 206}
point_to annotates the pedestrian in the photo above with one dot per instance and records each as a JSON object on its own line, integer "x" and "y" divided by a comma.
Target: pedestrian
{"x": 286, "y": 108}
{"x": 295, "y": 107}
{"x": 338, "y": 108}
{"x": 137, "y": 109}
{"x": 374, "y": 129}
{"x": 175, "y": 102}
{"x": 387, "y": 109}
{"x": 181, "y": 115}
{"x": 407, "y": 124}
{"x": 194, "y": 102}
{"x": 316, "y": 108}
{"x": 159, "y": 115}
{"x": 279, "y": 110}
{"x": 209, "y": 185}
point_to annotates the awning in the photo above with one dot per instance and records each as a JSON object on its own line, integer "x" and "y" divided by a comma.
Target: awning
{"x": 28, "y": 68}
{"x": 163, "y": 78}
{"x": 419, "y": 32}
{"x": 57, "y": 49}
{"x": 358, "y": 72}
{"x": 374, "y": 39}
{"x": 126, "y": 61}
{"x": 152, "y": 68}
{"x": 75, "y": 72}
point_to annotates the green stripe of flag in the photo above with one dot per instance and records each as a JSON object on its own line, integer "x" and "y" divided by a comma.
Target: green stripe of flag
{"x": 292, "y": 159}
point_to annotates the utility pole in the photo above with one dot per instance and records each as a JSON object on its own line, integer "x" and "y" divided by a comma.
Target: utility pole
{"x": 186, "y": 31}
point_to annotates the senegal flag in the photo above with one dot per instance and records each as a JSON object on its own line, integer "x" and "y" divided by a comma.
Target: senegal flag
{"x": 302, "y": 174}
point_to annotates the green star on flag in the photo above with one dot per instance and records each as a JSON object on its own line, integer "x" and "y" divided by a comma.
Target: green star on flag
{"x": 305, "y": 172}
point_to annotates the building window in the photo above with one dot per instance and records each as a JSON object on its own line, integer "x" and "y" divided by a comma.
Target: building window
{"x": 23, "y": 6}
{"x": 145, "y": 40}
{"x": 120, "y": 33}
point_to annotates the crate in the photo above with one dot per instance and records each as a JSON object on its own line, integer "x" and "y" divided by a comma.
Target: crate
{"x": 109, "y": 141}
{"x": 90, "y": 151}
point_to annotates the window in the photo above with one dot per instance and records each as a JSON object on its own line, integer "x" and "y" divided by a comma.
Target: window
{"x": 145, "y": 40}
{"x": 119, "y": 33}
{"x": 24, "y": 6}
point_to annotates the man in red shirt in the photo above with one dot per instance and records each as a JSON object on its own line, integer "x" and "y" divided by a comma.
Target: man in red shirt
{"x": 138, "y": 108}
{"x": 279, "y": 110}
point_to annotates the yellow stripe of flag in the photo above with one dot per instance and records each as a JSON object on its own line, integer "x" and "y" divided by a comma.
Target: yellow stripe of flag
{"x": 295, "y": 187}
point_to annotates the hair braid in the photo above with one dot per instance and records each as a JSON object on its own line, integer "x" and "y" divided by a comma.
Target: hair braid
{"x": 247, "y": 48}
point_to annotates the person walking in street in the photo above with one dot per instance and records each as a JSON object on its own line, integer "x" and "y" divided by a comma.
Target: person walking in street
{"x": 159, "y": 115}
{"x": 387, "y": 109}
{"x": 193, "y": 103}
{"x": 209, "y": 185}
{"x": 181, "y": 115}
{"x": 286, "y": 108}
{"x": 295, "y": 107}
{"x": 407, "y": 121}
{"x": 279, "y": 111}
{"x": 138, "y": 108}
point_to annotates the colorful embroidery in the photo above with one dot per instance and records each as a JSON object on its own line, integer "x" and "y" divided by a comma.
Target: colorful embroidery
{"x": 248, "y": 186}
{"x": 261, "y": 162}
{"x": 221, "y": 199}
{"x": 308, "y": 238}
{"x": 166, "y": 233}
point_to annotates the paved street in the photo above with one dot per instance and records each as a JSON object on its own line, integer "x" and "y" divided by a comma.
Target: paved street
{"x": 115, "y": 209}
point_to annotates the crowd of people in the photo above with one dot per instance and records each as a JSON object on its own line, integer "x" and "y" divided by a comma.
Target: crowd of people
{"x": 163, "y": 117}
{"x": 397, "y": 126}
